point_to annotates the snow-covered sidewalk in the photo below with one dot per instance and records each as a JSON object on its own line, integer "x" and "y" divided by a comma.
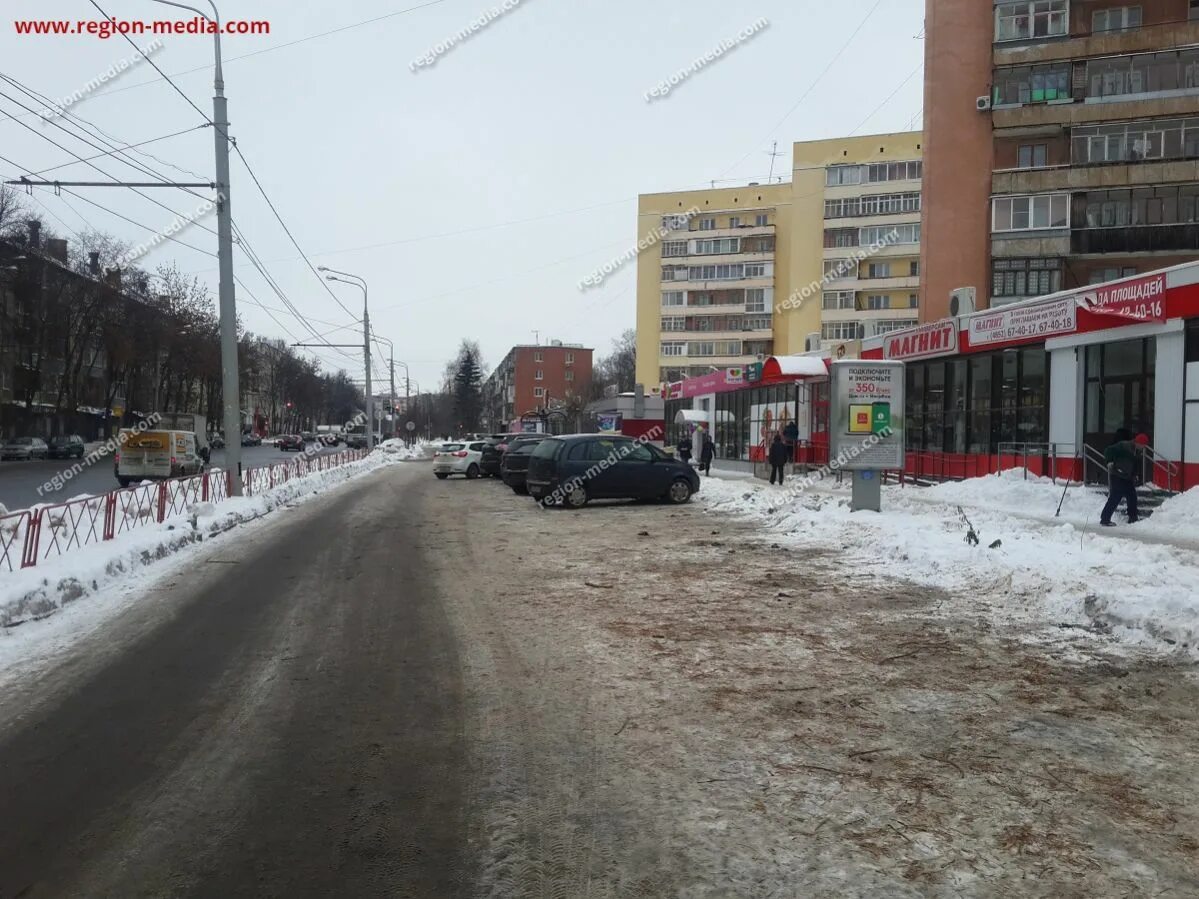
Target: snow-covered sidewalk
{"x": 1141, "y": 581}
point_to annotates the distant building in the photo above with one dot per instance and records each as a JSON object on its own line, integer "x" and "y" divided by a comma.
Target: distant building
{"x": 533, "y": 378}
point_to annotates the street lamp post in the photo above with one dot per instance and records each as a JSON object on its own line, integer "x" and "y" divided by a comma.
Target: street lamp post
{"x": 224, "y": 225}
{"x": 360, "y": 282}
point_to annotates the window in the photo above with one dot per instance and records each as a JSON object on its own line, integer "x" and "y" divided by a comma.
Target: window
{"x": 875, "y": 204}
{"x": 887, "y": 325}
{"x": 570, "y": 358}
{"x": 884, "y": 234}
{"x": 914, "y": 268}
{"x": 1030, "y": 213}
{"x": 1194, "y": 14}
{"x": 761, "y": 220}
{"x": 836, "y": 209}
{"x": 838, "y": 299}
{"x": 1144, "y": 73}
{"x": 674, "y": 273}
{"x": 878, "y": 270}
{"x": 539, "y": 392}
{"x": 674, "y": 248}
{"x": 837, "y": 175}
{"x": 714, "y": 348}
{"x": 840, "y": 331}
{"x": 1141, "y": 206}
{"x": 707, "y": 224}
{"x": 537, "y": 357}
{"x": 1103, "y": 275}
{"x": 913, "y": 301}
{"x": 841, "y": 237}
{"x": 672, "y": 298}
{"x": 758, "y": 323}
{"x": 755, "y": 270}
{"x": 540, "y": 376}
{"x": 894, "y": 171}
{"x": 707, "y": 247}
{"x": 1029, "y": 19}
{"x": 1135, "y": 141}
{"x": 673, "y": 323}
{"x": 570, "y": 376}
{"x": 670, "y": 348}
{"x": 755, "y": 300}
{"x": 1118, "y": 18}
{"x": 835, "y": 269}
{"x": 734, "y": 221}
{"x": 1021, "y": 85}
{"x": 675, "y": 222}
{"x": 717, "y": 272}
{"x": 1025, "y": 277}
{"x": 1033, "y": 156}
{"x": 876, "y": 301}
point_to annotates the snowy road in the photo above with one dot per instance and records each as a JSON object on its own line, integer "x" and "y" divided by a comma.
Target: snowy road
{"x": 419, "y": 688}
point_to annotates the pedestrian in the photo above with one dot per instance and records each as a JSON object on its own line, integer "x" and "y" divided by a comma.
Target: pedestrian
{"x": 684, "y": 447}
{"x": 707, "y": 451}
{"x": 1121, "y": 459}
{"x": 791, "y": 437}
{"x": 778, "y": 458}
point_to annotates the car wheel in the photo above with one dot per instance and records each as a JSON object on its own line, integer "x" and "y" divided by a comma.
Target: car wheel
{"x": 472, "y": 472}
{"x": 520, "y": 490}
{"x": 679, "y": 492}
{"x": 576, "y": 497}
{"x": 440, "y": 476}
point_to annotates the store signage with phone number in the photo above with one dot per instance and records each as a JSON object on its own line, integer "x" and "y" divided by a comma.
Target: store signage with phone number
{"x": 1023, "y": 322}
{"x": 1142, "y": 299}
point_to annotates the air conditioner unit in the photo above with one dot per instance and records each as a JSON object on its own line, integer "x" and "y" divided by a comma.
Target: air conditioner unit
{"x": 812, "y": 343}
{"x": 983, "y": 104}
{"x": 962, "y": 301}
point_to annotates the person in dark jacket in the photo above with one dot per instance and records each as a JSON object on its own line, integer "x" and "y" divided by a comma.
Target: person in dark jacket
{"x": 778, "y": 458}
{"x": 1121, "y": 458}
{"x": 705, "y": 456}
{"x": 684, "y": 447}
{"x": 791, "y": 437}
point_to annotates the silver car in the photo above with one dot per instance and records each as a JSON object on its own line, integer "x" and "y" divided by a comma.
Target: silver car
{"x": 24, "y": 448}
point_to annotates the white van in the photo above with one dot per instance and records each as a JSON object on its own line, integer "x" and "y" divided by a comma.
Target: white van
{"x": 156, "y": 455}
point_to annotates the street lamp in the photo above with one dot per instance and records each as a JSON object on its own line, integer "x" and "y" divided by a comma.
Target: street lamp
{"x": 224, "y": 211}
{"x": 360, "y": 282}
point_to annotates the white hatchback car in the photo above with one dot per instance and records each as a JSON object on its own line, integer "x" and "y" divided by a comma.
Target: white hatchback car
{"x": 458, "y": 458}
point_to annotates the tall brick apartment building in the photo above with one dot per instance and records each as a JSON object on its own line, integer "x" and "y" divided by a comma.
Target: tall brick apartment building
{"x": 532, "y": 377}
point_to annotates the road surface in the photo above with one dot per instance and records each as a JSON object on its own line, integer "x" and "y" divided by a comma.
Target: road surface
{"x": 19, "y": 481}
{"x": 422, "y": 688}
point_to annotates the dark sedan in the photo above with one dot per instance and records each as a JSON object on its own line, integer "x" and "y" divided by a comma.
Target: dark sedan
{"x": 576, "y": 469}
{"x": 515, "y": 464}
{"x": 66, "y": 446}
{"x": 290, "y": 442}
{"x": 494, "y": 448}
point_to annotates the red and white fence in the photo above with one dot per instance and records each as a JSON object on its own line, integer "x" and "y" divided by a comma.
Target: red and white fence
{"x": 34, "y": 535}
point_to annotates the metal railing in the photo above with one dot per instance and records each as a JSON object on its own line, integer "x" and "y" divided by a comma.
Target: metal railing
{"x": 1051, "y": 454}
{"x": 1151, "y": 464}
{"x": 34, "y": 535}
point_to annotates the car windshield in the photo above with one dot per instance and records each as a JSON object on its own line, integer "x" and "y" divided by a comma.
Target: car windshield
{"x": 547, "y": 449}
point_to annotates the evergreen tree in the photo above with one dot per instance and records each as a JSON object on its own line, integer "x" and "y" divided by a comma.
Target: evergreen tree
{"x": 468, "y": 389}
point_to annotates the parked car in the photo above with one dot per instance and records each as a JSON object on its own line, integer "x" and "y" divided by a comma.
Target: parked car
{"x": 494, "y": 448}
{"x": 24, "y": 448}
{"x": 515, "y": 464}
{"x": 291, "y": 442}
{"x": 66, "y": 446}
{"x": 251, "y": 440}
{"x": 458, "y": 458}
{"x": 583, "y": 467}
{"x": 216, "y": 441}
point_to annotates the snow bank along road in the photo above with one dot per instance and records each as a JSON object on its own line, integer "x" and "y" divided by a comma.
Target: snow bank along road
{"x": 432, "y": 689}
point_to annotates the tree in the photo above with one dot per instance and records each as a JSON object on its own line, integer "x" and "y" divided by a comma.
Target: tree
{"x": 619, "y": 369}
{"x": 13, "y": 211}
{"x": 467, "y": 386}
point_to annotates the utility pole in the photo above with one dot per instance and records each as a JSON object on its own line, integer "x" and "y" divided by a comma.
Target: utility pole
{"x": 393, "y": 391}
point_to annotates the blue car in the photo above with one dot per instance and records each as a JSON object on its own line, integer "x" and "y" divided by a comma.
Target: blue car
{"x": 576, "y": 469}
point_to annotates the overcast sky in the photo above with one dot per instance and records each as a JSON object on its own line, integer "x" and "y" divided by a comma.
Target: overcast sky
{"x": 473, "y": 194}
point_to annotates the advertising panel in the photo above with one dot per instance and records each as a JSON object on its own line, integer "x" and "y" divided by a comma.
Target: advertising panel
{"x": 1024, "y": 322}
{"x": 866, "y": 415}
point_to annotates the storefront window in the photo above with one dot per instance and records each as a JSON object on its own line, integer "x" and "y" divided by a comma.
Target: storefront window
{"x": 980, "y": 404}
{"x": 1033, "y": 384}
{"x": 934, "y": 405}
{"x": 914, "y": 403}
{"x": 955, "y": 407}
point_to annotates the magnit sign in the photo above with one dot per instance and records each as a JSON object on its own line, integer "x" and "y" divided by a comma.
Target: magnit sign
{"x": 934, "y": 339}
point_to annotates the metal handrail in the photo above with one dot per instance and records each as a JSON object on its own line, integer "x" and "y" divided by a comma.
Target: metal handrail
{"x": 1156, "y": 460}
{"x": 1053, "y": 450}
{"x": 1090, "y": 454}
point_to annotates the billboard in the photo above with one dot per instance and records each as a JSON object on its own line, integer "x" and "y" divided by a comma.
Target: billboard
{"x": 866, "y": 415}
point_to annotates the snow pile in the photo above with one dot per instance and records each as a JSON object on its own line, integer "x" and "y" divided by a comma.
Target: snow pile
{"x": 1048, "y": 572}
{"x": 402, "y": 450}
{"x": 36, "y": 592}
{"x": 1178, "y": 514}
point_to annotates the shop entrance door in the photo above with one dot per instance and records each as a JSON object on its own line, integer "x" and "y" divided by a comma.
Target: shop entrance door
{"x": 1119, "y": 393}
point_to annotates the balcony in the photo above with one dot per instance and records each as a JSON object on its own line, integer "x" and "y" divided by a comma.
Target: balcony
{"x": 1142, "y": 239}
{"x": 896, "y": 282}
{"x": 1097, "y": 176}
{"x": 1145, "y": 38}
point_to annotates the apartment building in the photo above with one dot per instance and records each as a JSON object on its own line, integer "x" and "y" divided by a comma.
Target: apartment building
{"x": 1062, "y": 141}
{"x": 730, "y": 276}
{"x": 533, "y": 377}
{"x": 866, "y": 194}
{"x": 708, "y": 280}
